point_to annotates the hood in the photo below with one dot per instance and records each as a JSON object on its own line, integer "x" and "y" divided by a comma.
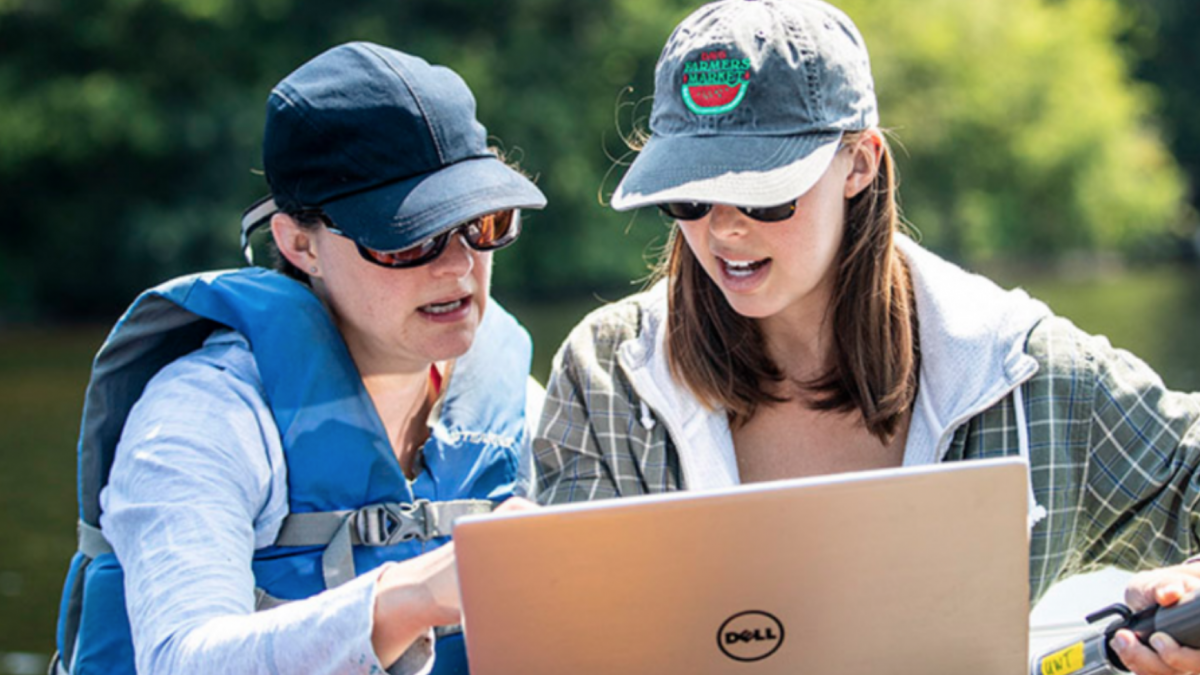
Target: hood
{"x": 973, "y": 336}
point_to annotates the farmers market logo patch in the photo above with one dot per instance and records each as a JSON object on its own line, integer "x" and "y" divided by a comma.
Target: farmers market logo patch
{"x": 715, "y": 83}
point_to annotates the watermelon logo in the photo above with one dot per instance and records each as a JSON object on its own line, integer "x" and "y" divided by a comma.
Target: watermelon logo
{"x": 715, "y": 83}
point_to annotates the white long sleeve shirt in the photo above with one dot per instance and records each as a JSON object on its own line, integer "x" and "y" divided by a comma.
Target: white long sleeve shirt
{"x": 198, "y": 484}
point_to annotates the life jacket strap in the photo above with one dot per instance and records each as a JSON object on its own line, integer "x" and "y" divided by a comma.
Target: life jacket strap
{"x": 264, "y": 600}
{"x": 91, "y": 541}
{"x": 384, "y": 524}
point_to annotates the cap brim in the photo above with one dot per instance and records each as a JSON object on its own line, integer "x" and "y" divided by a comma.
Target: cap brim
{"x": 727, "y": 169}
{"x": 400, "y": 214}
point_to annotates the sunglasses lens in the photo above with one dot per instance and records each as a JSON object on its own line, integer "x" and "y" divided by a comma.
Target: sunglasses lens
{"x": 685, "y": 210}
{"x": 770, "y": 214}
{"x": 417, "y": 254}
{"x": 493, "y": 231}
{"x": 485, "y": 233}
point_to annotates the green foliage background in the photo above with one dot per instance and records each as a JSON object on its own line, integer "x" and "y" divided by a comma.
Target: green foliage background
{"x": 130, "y": 129}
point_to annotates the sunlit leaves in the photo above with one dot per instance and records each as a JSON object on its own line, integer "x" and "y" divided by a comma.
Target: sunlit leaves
{"x": 1024, "y": 130}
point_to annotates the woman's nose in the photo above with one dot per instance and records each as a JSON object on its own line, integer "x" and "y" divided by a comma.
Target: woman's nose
{"x": 457, "y": 260}
{"x": 726, "y": 221}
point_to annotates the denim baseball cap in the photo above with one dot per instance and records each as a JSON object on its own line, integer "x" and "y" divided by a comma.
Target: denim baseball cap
{"x": 386, "y": 145}
{"x": 751, "y": 98}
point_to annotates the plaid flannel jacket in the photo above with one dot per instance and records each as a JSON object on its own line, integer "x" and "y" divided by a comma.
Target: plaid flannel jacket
{"x": 1113, "y": 453}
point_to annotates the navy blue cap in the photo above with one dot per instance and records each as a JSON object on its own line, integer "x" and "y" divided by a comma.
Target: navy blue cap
{"x": 386, "y": 145}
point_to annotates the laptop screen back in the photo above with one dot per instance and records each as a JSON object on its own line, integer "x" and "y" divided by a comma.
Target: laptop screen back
{"x": 914, "y": 570}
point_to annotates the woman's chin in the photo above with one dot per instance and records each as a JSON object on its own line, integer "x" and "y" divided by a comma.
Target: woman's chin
{"x": 751, "y": 307}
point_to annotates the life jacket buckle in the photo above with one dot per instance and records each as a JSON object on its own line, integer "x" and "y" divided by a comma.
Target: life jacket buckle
{"x": 391, "y": 524}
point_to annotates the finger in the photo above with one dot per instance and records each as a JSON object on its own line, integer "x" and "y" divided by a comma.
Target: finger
{"x": 1140, "y": 597}
{"x": 1139, "y": 658}
{"x": 1169, "y": 593}
{"x": 517, "y": 504}
{"x": 1182, "y": 659}
{"x": 1139, "y": 592}
{"x": 1164, "y": 586}
{"x": 1190, "y": 579}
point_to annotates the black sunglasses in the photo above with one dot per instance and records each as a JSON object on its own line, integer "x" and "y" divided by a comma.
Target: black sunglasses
{"x": 485, "y": 233}
{"x": 697, "y": 210}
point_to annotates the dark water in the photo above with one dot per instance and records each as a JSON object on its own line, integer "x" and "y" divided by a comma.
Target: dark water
{"x": 43, "y": 373}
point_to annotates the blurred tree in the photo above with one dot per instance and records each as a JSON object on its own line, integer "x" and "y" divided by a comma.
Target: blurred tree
{"x": 1022, "y": 132}
{"x": 129, "y": 140}
{"x": 1166, "y": 53}
{"x": 130, "y": 130}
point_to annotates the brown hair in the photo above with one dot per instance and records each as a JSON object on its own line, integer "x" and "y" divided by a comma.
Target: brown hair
{"x": 721, "y": 355}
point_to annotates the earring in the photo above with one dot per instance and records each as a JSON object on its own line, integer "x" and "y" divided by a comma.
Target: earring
{"x": 312, "y": 270}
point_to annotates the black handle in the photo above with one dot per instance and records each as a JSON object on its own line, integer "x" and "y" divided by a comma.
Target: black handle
{"x": 1181, "y": 621}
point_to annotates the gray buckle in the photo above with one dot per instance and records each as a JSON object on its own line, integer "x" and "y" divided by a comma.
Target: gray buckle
{"x": 390, "y": 524}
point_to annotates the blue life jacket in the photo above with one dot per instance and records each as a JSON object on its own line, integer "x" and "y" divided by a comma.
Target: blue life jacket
{"x": 360, "y": 507}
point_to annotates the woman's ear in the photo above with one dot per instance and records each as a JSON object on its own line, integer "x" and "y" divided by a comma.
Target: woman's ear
{"x": 294, "y": 243}
{"x": 866, "y": 153}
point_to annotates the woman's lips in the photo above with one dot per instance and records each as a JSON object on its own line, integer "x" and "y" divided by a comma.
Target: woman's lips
{"x": 743, "y": 275}
{"x": 447, "y": 311}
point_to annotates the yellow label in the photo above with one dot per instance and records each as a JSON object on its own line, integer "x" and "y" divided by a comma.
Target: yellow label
{"x": 1064, "y": 661}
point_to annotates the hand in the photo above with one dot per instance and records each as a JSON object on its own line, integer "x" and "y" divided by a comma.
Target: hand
{"x": 412, "y": 596}
{"x": 1163, "y": 587}
{"x": 421, "y": 592}
{"x": 516, "y": 504}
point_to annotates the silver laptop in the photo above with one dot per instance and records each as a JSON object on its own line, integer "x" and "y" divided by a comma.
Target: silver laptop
{"x": 913, "y": 570}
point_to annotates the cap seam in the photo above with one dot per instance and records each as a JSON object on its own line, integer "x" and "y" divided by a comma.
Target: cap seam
{"x": 702, "y": 174}
{"x": 422, "y": 226}
{"x": 779, "y": 151}
{"x": 378, "y": 186}
{"x": 322, "y": 134}
{"x": 450, "y": 207}
{"x": 425, "y": 117}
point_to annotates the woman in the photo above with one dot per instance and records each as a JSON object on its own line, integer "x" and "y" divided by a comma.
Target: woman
{"x": 796, "y": 332}
{"x": 301, "y": 443}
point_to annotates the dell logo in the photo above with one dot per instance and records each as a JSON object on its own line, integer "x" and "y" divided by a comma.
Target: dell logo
{"x": 756, "y": 635}
{"x": 750, "y": 636}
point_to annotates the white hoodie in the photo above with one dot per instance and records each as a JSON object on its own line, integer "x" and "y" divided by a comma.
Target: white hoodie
{"x": 972, "y": 337}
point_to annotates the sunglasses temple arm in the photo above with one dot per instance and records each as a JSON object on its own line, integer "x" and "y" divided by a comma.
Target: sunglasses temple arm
{"x": 256, "y": 216}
